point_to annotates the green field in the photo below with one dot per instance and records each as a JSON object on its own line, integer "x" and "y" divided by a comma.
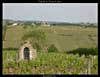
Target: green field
{"x": 65, "y": 38}
{"x": 50, "y": 63}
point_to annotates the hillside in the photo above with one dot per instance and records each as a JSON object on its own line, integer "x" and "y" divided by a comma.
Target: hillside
{"x": 64, "y": 38}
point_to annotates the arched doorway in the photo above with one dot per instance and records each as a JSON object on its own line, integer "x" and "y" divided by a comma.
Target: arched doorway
{"x": 26, "y": 53}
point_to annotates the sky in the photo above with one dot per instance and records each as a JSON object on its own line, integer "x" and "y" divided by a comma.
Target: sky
{"x": 63, "y": 12}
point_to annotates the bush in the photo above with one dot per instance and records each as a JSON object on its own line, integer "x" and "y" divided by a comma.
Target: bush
{"x": 10, "y": 49}
{"x": 35, "y": 35}
{"x": 52, "y": 48}
{"x": 85, "y": 51}
{"x": 25, "y": 27}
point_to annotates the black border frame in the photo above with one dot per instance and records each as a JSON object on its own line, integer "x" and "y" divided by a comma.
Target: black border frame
{"x": 37, "y": 1}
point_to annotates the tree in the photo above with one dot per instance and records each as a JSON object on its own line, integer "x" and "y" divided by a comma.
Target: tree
{"x": 37, "y": 37}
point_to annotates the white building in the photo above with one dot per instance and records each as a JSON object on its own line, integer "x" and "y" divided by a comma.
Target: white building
{"x": 14, "y": 24}
{"x": 45, "y": 24}
{"x": 33, "y": 24}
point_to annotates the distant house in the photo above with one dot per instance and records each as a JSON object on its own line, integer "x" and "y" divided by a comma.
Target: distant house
{"x": 44, "y": 24}
{"x": 14, "y": 24}
{"x": 20, "y": 24}
{"x": 33, "y": 24}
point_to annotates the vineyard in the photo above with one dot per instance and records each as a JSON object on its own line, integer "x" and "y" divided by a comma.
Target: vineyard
{"x": 44, "y": 39}
{"x": 50, "y": 63}
{"x": 71, "y": 50}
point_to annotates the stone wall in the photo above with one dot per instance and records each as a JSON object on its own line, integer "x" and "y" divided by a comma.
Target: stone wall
{"x": 32, "y": 51}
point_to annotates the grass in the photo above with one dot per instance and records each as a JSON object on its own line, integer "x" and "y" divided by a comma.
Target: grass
{"x": 49, "y": 63}
{"x": 64, "y": 38}
{"x": 69, "y": 38}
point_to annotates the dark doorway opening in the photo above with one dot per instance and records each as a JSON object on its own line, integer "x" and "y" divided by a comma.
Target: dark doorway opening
{"x": 26, "y": 53}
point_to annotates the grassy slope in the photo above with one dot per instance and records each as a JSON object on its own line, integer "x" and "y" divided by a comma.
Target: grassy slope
{"x": 64, "y": 38}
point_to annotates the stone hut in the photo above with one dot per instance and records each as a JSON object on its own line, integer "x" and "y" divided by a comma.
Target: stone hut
{"x": 27, "y": 52}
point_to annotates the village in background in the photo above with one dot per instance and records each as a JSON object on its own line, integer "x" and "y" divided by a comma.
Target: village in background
{"x": 45, "y": 23}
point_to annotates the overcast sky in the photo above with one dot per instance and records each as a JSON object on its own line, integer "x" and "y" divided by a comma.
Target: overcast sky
{"x": 67, "y": 12}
